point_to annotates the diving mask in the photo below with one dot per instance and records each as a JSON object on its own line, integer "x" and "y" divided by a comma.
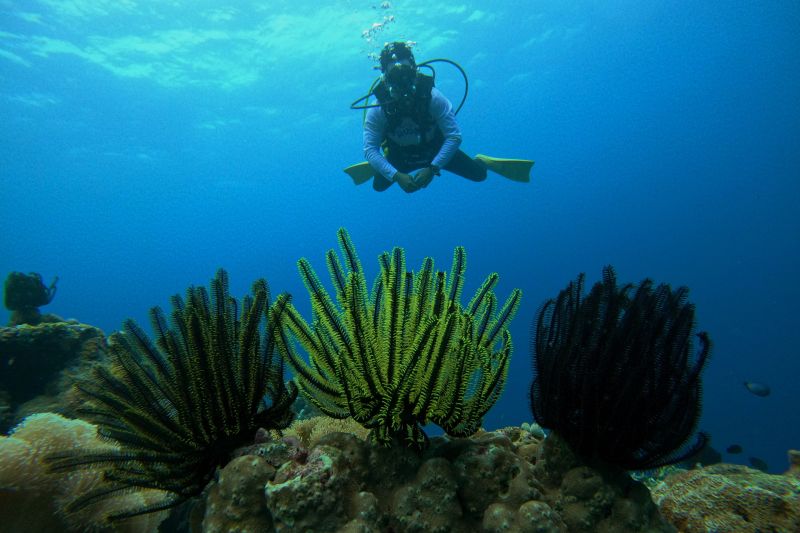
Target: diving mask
{"x": 401, "y": 78}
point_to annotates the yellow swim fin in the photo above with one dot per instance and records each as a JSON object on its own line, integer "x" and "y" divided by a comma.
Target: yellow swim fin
{"x": 360, "y": 172}
{"x": 513, "y": 169}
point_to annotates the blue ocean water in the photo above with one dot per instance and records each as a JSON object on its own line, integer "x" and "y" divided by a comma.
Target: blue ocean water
{"x": 144, "y": 144}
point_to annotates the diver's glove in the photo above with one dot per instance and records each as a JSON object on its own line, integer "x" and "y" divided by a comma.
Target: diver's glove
{"x": 425, "y": 176}
{"x": 406, "y": 182}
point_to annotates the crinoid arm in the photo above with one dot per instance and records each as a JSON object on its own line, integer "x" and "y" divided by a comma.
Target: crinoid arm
{"x": 404, "y": 353}
{"x": 615, "y": 374}
{"x": 179, "y": 405}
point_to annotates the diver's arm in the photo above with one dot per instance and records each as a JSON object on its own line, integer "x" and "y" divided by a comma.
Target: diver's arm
{"x": 442, "y": 111}
{"x": 374, "y": 133}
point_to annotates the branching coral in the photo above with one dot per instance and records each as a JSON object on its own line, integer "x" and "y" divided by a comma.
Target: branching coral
{"x": 405, "y": 354}
{"x": 180, "y": 406}
{"x": 614, "y": 374}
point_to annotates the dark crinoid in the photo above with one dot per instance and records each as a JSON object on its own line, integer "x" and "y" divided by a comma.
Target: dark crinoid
{"x": 614, "y": 374}
{"x": 178, "y": 406}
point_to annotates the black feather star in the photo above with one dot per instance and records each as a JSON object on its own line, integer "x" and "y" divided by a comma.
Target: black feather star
{"x": 179, "y": 406}
{"x": 614, "y": 374}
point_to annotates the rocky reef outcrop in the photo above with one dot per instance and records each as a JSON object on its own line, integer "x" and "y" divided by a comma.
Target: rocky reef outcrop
{"x": 507, "y": 480}
{"x": 37, "y": 363}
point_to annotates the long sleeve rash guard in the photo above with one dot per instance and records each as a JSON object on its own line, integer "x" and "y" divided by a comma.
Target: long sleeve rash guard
{"x": 375, "y": 132}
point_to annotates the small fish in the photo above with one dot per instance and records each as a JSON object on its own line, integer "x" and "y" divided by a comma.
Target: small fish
{"x": 759, "y": 389}
{"x": 759, "y": 464}
{"x": 734, "y": 449}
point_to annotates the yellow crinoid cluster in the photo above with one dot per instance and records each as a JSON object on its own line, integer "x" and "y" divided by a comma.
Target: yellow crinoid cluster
{"x": 403, "y": 354}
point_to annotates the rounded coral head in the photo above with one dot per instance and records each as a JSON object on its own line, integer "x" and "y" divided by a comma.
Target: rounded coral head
{"x": 25, "y": 291}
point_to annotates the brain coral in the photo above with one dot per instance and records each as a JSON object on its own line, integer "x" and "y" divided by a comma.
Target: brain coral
{"x": 724, "y": 497}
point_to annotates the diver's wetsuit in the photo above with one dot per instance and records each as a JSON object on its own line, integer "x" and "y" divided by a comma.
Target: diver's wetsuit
{"x": 410, "y": 148}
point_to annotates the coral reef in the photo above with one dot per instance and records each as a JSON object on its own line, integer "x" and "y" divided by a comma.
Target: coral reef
{"x": 725, "y": 497}
{"x": 600, "y": 497}
{"x": 311, "y": 430}
{"x": 33, "y": 500}
{"x": 614, "y": 373}
{"x": 406, "y": 354}
{"x": 180, "y": 405}
{"x": 498, "y": 481}
{"x": 314, "y": 494}
{"x": 24, "y": 294}
{"x": 236, "y": 501}
{"x": 37, "y": 365}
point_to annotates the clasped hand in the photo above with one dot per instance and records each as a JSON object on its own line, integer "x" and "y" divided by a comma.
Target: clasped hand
{"x": 414, "y": 183}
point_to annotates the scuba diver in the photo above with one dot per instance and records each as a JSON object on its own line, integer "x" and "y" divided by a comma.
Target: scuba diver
{"x": 413, "y": 127}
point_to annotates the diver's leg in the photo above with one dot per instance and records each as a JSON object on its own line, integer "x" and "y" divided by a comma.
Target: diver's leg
{"x": 466, "y": 167}
{"x": 379, "y": 183}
